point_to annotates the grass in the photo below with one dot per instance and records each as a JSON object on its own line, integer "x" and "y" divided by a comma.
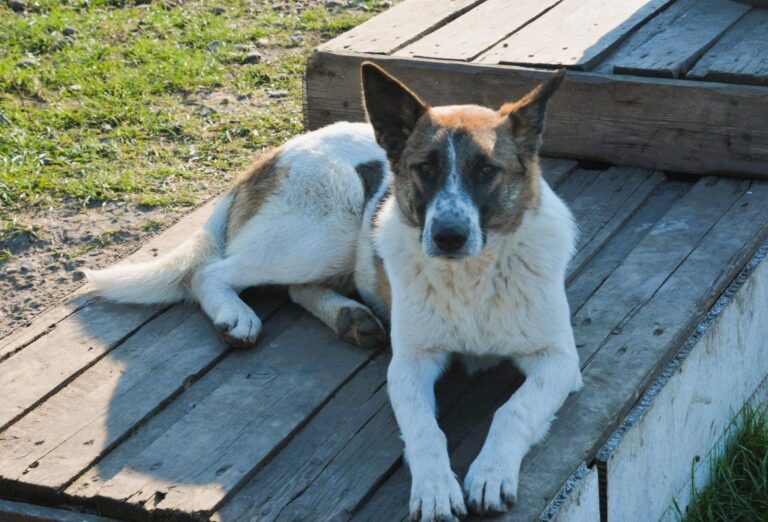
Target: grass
{"x": 738, "y": 489}
{"x": 117, "y": 109}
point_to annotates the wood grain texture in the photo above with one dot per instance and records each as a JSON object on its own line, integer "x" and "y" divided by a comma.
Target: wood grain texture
{"x": 616, "y": 249}
{"x": 575, "y": 33}
{"x": 676, "y": 125}
{"x": 651, "y": 262}
{"x": 672, "y": 41}
{"x": 399, "y": 26}
{"x": 237, "y": 427}
{"x": 477, "y": 30}
{"x": 679, "y": 43}
{"x": 693, "y": 408}
{"x": 556, "y": 170}
{"x": 741, "y": 55}
{"x": 48, "y": 448}
{"x": 74, "y": 345}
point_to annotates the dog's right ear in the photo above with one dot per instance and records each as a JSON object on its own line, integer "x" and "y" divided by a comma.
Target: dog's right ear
{"x": 392, "y": 109}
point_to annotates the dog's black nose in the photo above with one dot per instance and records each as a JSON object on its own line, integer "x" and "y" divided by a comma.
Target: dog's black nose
{"x": 449, "y": 238}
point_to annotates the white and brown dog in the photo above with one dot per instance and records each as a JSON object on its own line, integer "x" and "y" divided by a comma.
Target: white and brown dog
{"x": 441, "y": 219}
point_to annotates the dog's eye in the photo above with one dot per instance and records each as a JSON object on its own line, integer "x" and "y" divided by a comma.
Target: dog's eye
{"x": 489, "y": 171}
{"x": 424, "y": 167}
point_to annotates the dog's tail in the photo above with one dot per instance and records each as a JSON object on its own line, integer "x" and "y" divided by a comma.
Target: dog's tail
{"x": 163, "y": 280}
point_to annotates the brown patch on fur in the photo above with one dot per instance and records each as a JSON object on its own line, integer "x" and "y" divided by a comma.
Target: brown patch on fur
{"x": 252, "y": 188}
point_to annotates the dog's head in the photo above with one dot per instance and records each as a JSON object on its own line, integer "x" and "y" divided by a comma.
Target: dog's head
{"x": 460, "y": 171}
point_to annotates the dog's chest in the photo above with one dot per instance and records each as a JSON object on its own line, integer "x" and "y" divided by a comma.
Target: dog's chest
{"x": 485, "y": 308}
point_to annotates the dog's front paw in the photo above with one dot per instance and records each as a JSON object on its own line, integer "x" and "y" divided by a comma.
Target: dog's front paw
{"x": 491, "y": 486}
{"x": 437, "y": 499}
{"x": 239, "y": 325}
{"x": 358, "y": 325}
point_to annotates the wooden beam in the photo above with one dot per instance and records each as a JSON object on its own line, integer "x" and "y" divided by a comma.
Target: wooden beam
{"x": 697, "y": 127}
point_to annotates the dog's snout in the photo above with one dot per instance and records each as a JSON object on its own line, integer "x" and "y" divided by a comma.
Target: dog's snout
{"x": 450, "y": 238}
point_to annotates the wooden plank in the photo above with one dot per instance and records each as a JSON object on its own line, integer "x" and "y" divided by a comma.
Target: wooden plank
{"x": 741, "y": 55}
{"x": 555, "y": 170}
{"x": 648, "y": 265}
{"x": 46, "y": 322}
{"x": 399, "y": 26}
{"x": 21, "y": 512}
{"x": 671, "y": 42}
{"x": 45, "y": 450}
{"x": 582, "y": 284}
{"x": 237, "y": 428}
{"x": 650, "y": 122}
{"x": 616, "y": 190}
{"x": 575, "y": 33}
{"x": 479, "y": 29}
{"x": 75, "y": 344}
{"x": 692, "y": 404}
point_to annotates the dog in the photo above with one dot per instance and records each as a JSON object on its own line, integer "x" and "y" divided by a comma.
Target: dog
{"x": 440, "y": 219}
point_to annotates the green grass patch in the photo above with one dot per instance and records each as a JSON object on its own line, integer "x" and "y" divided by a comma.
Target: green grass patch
{"x": 738, "y": 489}
{"x": 108, "y": 100}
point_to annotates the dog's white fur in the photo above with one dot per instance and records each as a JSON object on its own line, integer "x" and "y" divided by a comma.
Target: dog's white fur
{"x": 314, "y": 232}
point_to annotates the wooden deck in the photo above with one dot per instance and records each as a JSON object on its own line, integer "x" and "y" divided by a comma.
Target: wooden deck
{"x": 680, "y": 85}
{"x": 138, "y": 412}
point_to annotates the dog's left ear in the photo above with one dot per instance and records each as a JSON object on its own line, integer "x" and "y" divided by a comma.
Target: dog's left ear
{"x": 527, "y": 115}
{"x": 392, "y": 109}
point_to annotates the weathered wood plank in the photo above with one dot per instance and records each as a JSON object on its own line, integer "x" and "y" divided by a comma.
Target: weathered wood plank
{"x": 399, "y": 26}
{"x": 575, "y": 33}
{"x": 581, "y": 285}
{"x": 670, "y": 43}
{"x": 75, "y": 344}
{"x": 672, "y": 51}
{"x": 650, "y": 122}
{"x": 21, "y": 512}
{"x": 741, "y": 55}
{"x": 649, "y": 264}
{"x": 272, "y": 393}
{"x": 555, "y": 170}
{"x": 477, "y": 30}
{"x": 616, "y": 190}
{"x": 45, "y": 450}
{"x": 691, "y": 405}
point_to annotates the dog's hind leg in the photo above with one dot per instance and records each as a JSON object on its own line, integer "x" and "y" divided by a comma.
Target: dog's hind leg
{"x": 352, "y": 321}
{"x": 216, "y": 287}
